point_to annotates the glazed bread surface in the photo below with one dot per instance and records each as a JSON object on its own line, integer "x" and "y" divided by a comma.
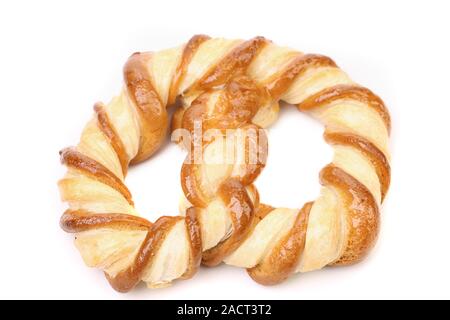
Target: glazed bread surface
{"x": 232, "y": 85}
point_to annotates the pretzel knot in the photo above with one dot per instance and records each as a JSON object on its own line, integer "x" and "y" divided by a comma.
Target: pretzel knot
{"x": 226, "y": 91}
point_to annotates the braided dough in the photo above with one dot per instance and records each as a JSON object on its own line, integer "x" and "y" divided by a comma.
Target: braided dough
{"x": 235, "y": 85}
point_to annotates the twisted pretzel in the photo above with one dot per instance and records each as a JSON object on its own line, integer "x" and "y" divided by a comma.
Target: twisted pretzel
{"x": 226, "y": 85}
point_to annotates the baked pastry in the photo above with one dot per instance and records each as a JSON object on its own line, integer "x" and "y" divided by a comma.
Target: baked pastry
{"x": 226, "y": 85}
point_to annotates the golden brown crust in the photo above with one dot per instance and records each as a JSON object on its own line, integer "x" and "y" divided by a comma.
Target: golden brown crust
{"x": 234, "y": 63}
{"x": 240, "y": 207}
{"x": 241, "y": 101}
{"x": 375, "y": 155}
{"x": 188, "y": 52}
{"x": 262, "y": 211}
{"x": 75, "y": 221}
{"x": 177, "y": 119}
{"x": 254, "y": 168}
{"x": 255, "y": 195}
{"x": 345, "y": 91}
{"x": 94, "y": 170}
{"x": 191, "y": 186}
{"x": 235, "y": 107}
{"x": 284, "y": 257}
{"x": 238, "y": 102}
{"x": 113, "y": 138}
{"x": 128, "y": 278}
{"x": 281, "y": 81}
{"x": 234, "y": 111}
{"x": 362, "y": 213}
{"x": 152, "y": 113}
{"x": 195, "y": 241}
{"x": 195, "y": 113}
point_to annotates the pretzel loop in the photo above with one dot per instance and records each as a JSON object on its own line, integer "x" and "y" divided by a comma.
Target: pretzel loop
{"x": 229, "y": 90}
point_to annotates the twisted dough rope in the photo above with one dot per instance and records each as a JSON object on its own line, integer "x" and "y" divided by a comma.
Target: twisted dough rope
{"x": 226, "y": 220}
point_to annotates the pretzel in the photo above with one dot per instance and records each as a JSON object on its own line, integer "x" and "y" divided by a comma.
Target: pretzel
{"x": 227, "y": 85}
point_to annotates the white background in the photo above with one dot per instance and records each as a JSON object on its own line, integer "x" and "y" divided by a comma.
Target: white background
{"x": 58, "y": 58}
